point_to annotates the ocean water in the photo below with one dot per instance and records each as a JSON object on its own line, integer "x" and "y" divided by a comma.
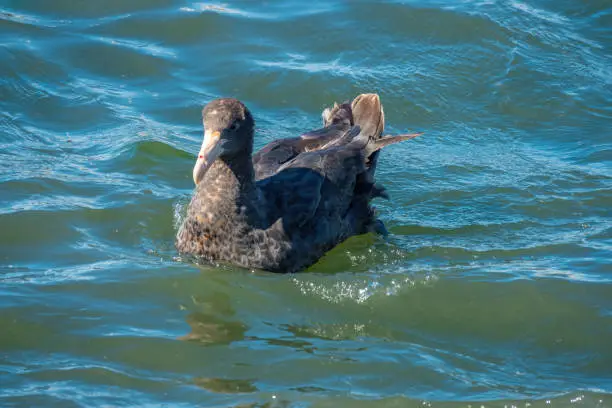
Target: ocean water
{"x": 494, "y": 288}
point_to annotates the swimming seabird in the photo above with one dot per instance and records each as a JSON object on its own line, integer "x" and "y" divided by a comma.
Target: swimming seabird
{"x": 284, "y": 207}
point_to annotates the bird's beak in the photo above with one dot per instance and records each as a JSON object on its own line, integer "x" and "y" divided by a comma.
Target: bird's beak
{"x": 212, "y": 147}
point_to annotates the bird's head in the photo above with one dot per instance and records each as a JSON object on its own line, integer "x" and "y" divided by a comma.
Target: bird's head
{"x": 228, "y": 132}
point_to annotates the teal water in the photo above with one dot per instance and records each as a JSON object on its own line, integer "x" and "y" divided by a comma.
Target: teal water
{"x": 493, "y": 289}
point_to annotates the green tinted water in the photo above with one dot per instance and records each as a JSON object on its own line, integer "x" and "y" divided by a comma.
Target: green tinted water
{"x": 494, "y": 287}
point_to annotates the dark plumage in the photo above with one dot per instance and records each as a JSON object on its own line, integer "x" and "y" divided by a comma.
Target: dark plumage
{"x": 284, "y": 207}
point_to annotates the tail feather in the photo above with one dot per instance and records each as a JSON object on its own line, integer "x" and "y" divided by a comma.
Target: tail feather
{"x": 388, "y": 139}
{"x": 366, "y": 118}
{"x": 368, "y": 114}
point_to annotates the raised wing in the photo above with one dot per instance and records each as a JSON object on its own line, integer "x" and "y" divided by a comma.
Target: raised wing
{"x": 273, "y": 155}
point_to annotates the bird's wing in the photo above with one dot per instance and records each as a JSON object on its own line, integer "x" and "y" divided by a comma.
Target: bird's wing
{"x": 293, "y": 195}
{"x": 317, "y": 184}
{"x": 273, "y": 155}
{"x": 321, "y": 173}
{"x": 278, "y": 152}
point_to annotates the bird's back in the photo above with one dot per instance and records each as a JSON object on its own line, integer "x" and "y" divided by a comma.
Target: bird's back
{"x": 322, "y": 193}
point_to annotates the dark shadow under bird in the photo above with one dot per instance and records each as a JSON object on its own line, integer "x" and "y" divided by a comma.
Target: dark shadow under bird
{"x": 281, "y": 209}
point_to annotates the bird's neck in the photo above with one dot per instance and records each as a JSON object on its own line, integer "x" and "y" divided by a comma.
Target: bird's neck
{"x": 228, "y": 188}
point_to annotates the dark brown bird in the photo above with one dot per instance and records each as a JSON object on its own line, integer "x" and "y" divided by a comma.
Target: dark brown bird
{"x": 295, "y": 199}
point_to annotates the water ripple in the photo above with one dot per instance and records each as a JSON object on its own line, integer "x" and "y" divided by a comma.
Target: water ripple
{"x": 493, "y": 287}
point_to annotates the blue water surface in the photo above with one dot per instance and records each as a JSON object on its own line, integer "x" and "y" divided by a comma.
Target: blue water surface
{"x": 494, "y": 287}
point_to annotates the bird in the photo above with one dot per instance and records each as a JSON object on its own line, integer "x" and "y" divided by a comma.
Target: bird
{"x": 282, "y": 208}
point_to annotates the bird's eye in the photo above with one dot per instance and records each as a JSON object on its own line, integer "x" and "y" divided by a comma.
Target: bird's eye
{"x": 235, "y": 126}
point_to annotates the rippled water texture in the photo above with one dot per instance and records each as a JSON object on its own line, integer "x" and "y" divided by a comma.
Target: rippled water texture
{"x": 493, "y": 289}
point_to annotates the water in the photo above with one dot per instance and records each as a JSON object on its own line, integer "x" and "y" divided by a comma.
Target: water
{"x": 494, "y": 288}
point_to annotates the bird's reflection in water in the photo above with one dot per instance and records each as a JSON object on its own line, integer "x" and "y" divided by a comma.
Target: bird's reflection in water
{"x": 296, "y": 344}
{"x": 209, "y": 329}
{"x": 213, "y": 321}
{"x": 225, "y": 386}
